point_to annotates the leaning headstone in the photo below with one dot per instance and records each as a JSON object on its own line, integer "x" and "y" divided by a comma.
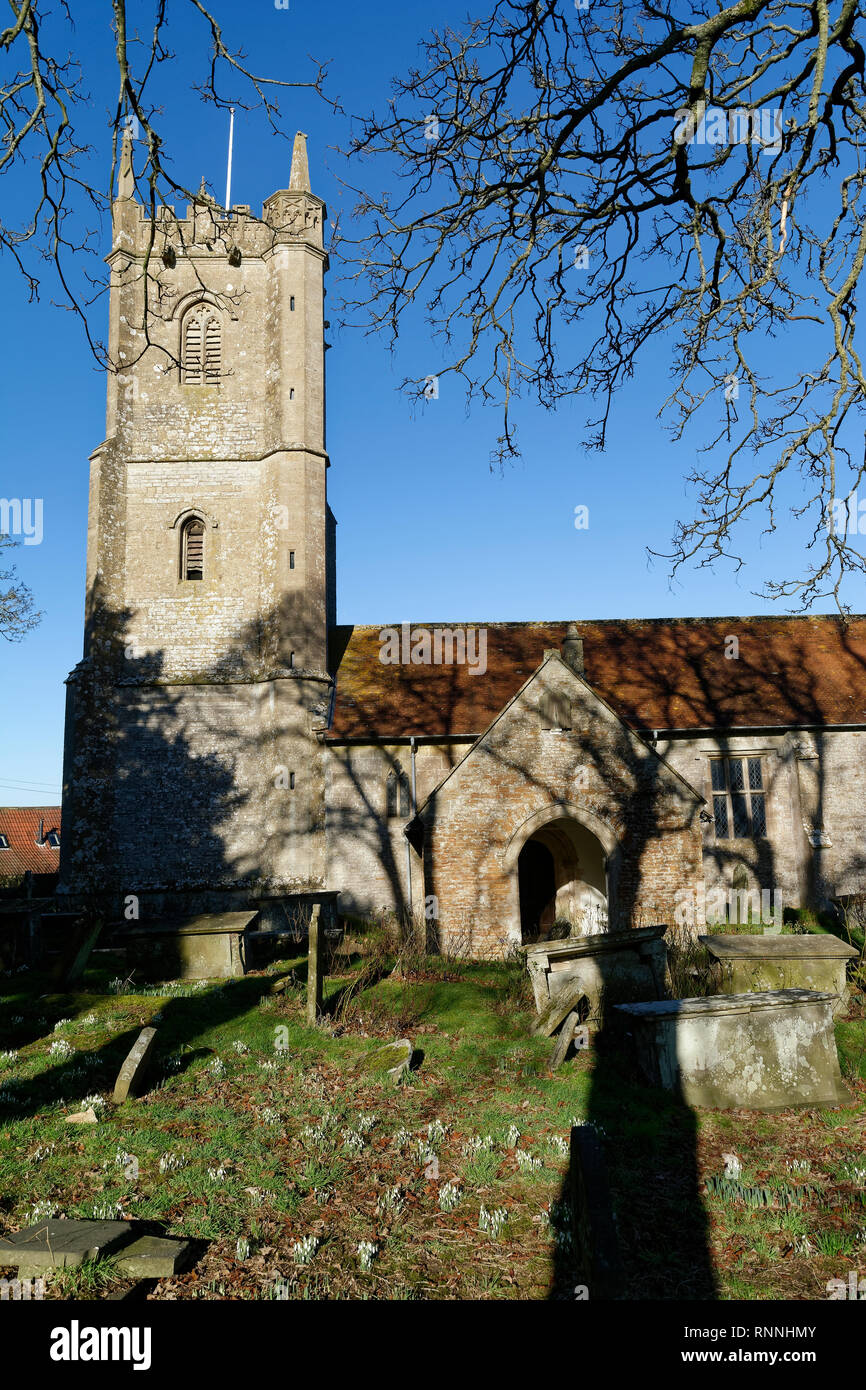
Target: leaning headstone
{"x": 132, "y": 1073}
{"x": 76, "y": 952}
{"x": 56, "y": 1244}
{"x": 154, "y": 1257}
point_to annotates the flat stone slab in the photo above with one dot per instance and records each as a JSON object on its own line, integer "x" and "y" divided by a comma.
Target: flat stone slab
{"x": 131, "y": 1075}
{"x": 56, "y": 1244}
{"x": 773, "y": 1050}
{"x": 202, "y": 925}
{"x": 594, "y": 944}
{"x": 610, "y": 967}
{"x": 154, "y": 1257}
{"x": 809, "y": 961}
{"x": 809, "y": 946}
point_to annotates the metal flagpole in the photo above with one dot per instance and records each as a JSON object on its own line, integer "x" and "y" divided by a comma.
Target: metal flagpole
{"x": 229, "y": 170}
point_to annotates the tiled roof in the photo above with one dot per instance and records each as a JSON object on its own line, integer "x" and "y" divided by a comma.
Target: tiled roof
{"x": 20, "y": 825}
{"x": 657, "y": 673}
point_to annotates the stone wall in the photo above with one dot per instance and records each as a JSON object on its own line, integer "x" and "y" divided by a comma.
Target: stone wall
{"x": 201, "y": 787}
{"x": 816, "y": 801}
{"x": 366, "y": 854}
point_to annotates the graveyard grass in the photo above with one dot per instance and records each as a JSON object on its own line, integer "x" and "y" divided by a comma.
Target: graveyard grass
{"x": 280, "y": 1164}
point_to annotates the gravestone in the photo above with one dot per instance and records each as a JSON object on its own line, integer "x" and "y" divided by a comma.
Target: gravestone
{"x": 810, "y": 961}
{"x": 132, "y": 1073}
{"x": 57, "y": 1244}
{"x": 565, "y": 1039}
{"x": 597, "y": 1253}
{"x": 76, "y": 950}
{"x": 769, "y": 1051}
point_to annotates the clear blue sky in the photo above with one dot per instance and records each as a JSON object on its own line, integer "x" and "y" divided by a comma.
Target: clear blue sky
{"x": 426, "y": 531}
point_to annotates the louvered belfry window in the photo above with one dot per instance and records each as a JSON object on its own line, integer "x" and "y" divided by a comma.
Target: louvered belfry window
{"x": 192, "y": 558}
{"x": 202, "y": 347}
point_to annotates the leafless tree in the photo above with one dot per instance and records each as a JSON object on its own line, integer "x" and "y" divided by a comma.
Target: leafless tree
{"x": 579, "y": 184}
{"x": 17, "y": 614}
{"x": 57, "y": 181}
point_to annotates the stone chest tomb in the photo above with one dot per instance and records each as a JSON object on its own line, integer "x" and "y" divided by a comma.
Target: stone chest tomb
{"x": 767, "y": 1051}
{"x": 747, "y": 963}
{"x": 619, "y": 966}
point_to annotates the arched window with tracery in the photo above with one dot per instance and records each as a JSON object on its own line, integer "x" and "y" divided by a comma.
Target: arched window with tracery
{"x": 192, "y": 549}
{"x": 201, "y": 346}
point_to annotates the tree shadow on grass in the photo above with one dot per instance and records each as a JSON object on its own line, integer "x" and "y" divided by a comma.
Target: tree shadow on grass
{"x": 183, "y": 1019}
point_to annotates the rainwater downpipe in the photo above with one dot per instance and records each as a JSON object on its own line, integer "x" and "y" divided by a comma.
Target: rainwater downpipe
{"x": 412, "y": 817}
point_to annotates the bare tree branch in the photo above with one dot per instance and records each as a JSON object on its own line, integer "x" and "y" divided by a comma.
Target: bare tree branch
{"x": 577, "y": 187}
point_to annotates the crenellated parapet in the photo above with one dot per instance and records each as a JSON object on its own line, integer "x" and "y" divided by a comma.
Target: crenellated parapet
{"x": 290, "y": 216}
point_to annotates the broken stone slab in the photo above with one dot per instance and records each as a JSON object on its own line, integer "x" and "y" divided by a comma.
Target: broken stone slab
{"x": 154, "y": 1257}
{"x": 760, "y": 963}
{"x": 564, "y": 1041}
{"x": 58, "y": 1244}
{"x": 132, "y": 1073}
{"x": 619, "y": 967}
{"x": 560, "y": 1006}
{"x": 765, "y": 1051}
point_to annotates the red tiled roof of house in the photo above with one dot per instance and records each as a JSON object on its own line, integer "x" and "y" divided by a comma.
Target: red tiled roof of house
{"x": 657, "y": 673}
{"x": 20, "y": 825}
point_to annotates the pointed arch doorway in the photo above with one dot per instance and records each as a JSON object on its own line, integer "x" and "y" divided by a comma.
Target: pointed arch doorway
{"x": 561, "y": 866}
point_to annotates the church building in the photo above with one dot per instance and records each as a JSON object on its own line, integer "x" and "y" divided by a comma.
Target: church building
{"x": 229, "y": 745}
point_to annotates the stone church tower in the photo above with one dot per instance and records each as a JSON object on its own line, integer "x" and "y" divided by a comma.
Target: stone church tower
{"x": 192, "y": 771}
